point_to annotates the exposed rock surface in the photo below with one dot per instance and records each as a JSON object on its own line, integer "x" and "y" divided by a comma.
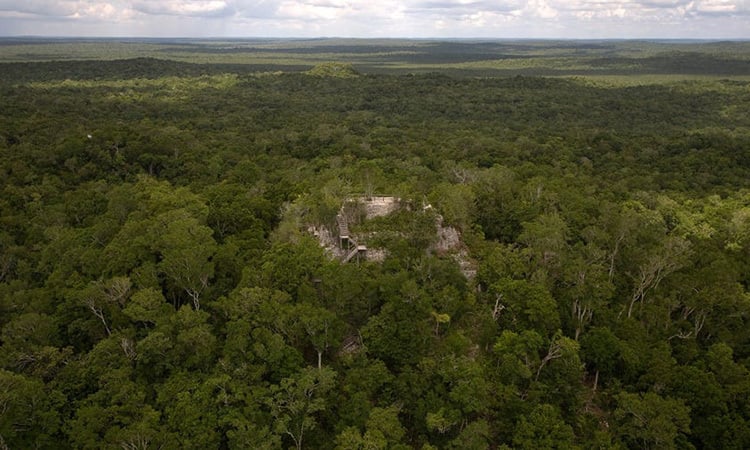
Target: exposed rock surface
{"x": 448, "y": 243}
{"x": 379, "y": 206}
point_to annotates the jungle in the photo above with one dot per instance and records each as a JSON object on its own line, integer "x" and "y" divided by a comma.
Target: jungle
{"x": 191, "y": 256}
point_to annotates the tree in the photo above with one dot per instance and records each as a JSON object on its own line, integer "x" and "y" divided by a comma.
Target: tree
{"x": 194, "y": 340}
{"x": 600, "y": 349}
{"x": 195, "y": 407}
{"x": 290, "y": 267}
{"x": 29, "y": 346}
{"x": 546, "y": 236}
{"x": 321, "y": 326}
{"x": 475, "y": 436}
{"x": 364, "y": 382}
{"x": 650, "y": 421}
{"x": 543, "y": 428}
{"x": 456, "y": 204}
{"x": 559, "y": 347}
{"x": 528, "y": 305}
{"x": 106, "y": 298}
{"x": 30, "y": 412}
{"x": 116, "y": 415}
{"x": 186, "y": 247}
{"x": 233, "y": 208}
{"x": 297, "y": 399}
{"x": 499, "y": 212}
{"x": 148, "y": 307}
{"x": 669, "y": 257}
{"x": 584, "y": 285}
{"x": 383, "y": 431}
{"x": 399, "y": 333}
{"x": 518, "y": 355}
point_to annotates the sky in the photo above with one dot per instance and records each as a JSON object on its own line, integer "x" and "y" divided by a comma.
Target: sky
{"x": 567, "y": 19}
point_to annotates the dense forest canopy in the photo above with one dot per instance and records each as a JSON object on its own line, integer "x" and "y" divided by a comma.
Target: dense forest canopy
{"x": 163, "y": 282}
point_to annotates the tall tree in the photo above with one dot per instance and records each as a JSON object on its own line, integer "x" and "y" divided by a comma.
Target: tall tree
{"x": 297, "y": 400}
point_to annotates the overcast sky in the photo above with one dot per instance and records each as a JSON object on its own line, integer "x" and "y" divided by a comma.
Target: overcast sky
{"x": 722, "y": 19}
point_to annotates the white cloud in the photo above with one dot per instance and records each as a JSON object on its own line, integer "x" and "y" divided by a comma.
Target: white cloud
{"x": 541, "y": 9}
{"x": 714, "y": 6}
{"x": 43, "y": 8}
{"x": 411, "y": 18}
{"x": 312, "y": 10}
{"x": 663, "y": 3}
{"x": 66, "y": 12}
{"x": 205, "y": 8}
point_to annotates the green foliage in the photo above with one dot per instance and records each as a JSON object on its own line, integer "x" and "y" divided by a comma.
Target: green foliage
{"x": 543, "y": 428}
{"x": 455, "y": 202}
{"x": 30, "y": 414}
{"x": 648, "y": 420}
{"x": 161, "y": 283}
{"x": 399, "y": 333}
{"x": 529, "y": 305}
{"x": 333, "y": 69}
{"x": 296, "y": 401}
{"x": 383, "y": 431}
{"x": 600, "y": 349}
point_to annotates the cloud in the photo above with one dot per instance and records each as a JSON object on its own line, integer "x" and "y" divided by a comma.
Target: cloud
{"x": 477, "y": 6}
{"x": 255, "y": 8}
{"x": 312, "y": 10}
{"x": 66, "y": 10}
{"x": 199, "y": 8}
{"x": 715, "y": 6}
{"x": 410, "y": 18}
{"x": 663, "y": 3}
{"x": 41, "y": 7}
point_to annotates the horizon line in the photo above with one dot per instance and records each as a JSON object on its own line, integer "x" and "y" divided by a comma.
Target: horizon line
{"x": 436, "y": 38}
